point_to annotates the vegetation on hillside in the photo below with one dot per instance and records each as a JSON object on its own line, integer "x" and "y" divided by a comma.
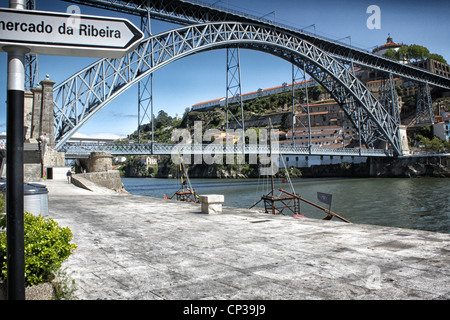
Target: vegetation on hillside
{"x": 216, "y": 118}
{"x": 426, "y": 141}
{"x": 413, "y": 52}
{"x": 255, "y": 111}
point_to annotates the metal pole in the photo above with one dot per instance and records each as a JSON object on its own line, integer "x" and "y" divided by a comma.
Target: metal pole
{"x": 240, "y": 101}
{"x": 139, "y": 112}
{"x": 293, "y": 105}
{"x": 307, "y": 106}
{"x": 359, "y": 130}
{"x": 228, "y": 89}
{"x": 151, "y": 110}
{"x": 14, "y": 163}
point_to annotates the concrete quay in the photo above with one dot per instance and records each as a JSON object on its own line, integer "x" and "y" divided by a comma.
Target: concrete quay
{"x": 135, "y": 247}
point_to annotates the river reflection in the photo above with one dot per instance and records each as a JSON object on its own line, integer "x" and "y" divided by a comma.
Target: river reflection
{"x": 406, "y": 203}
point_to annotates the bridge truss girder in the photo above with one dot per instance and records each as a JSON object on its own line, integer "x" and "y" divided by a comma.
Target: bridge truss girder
{"x": 187, "y": 12}
{"x": 75, "y": 150}
{"x": 84, "y": 94}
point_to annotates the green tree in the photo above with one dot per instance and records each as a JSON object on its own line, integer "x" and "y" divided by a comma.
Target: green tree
{"x": 418, "y": 52}
{"x": 402, "y": 53}
{"x": 413, "y": 51}
{"x": 162, "y": 120}
{"x": 391, "y": 54}
{"x": 437, "y": 57}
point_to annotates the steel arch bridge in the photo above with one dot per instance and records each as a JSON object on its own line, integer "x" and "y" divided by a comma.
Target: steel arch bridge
{"x": 81, "y": 96}
{"x": 196, "y": 11}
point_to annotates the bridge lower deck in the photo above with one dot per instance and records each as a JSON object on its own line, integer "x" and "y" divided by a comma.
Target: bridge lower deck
{"x": 84, "y": 150}
{"x": 135, "y": 247}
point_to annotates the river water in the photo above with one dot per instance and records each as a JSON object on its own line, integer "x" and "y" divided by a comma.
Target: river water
{"x": 422, "y": 203}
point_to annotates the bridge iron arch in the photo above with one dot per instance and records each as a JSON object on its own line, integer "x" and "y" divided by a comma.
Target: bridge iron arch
{"x": 81, "y": 96}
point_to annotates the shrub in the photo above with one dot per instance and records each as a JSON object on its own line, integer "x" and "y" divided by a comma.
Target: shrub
{"x": 2, "y": 205}
{"x": 46, "y": 245}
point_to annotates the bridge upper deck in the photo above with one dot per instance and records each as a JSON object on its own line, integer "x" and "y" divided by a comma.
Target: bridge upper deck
{"x": 189, "y": 12}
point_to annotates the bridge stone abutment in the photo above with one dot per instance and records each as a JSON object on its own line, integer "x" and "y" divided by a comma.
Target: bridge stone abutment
{"x": 39, "y": 115}
{"x": 99, "y": 162}
{"x": 98, "y": 169}
{"x": 40, "y": 157}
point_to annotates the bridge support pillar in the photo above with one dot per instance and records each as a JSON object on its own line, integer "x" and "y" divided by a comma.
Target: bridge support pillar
{"x": 145, "y": 88}
{"x": 47, "y": 123}
{"x": 40, "y": 157}
{"x": 97, "y": 162}
{"x": 234, "y": 87}
{"x": 404, "y": 141}
{"x": 41, "y": 122}
{"x": 424, "y": 111}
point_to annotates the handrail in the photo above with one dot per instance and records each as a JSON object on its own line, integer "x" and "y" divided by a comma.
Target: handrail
{"x": 73, "y": 149}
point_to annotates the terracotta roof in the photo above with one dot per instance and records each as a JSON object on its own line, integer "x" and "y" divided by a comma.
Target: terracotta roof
{"x": 390, "y": 44}
{"x": 375, "y": 81}
{"x": 208, "y": 101}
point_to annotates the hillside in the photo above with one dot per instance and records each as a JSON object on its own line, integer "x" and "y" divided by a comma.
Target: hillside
{"x": 257, "y": 112}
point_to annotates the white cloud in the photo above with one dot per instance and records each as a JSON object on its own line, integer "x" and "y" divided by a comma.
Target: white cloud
{"x": 97, "y": 136}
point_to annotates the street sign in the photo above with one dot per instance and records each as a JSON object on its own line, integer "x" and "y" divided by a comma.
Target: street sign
{"x": 65, "y": 34}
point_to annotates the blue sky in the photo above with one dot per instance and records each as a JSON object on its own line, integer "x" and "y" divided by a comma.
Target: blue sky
{"x": 203, "y": 76}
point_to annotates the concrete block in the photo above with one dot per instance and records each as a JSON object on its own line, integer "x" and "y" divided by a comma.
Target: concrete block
{"x": 212, "y": 203}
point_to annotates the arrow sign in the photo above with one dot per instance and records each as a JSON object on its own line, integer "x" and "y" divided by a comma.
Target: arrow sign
{"x": 68, "y": 34}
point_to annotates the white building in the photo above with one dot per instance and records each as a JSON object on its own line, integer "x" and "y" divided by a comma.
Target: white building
{"x": 442, "y": 130}
{"x": 149, "y": 161}
{"x": 299, "y": 161}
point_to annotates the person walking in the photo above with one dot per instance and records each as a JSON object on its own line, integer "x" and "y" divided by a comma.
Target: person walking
{"x": 69, "y": 176}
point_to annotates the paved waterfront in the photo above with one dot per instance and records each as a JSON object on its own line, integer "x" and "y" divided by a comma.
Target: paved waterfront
{"x": 133, "y": 247}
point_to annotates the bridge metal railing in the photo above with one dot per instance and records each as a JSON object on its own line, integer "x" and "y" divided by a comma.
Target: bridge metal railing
{"x": 83, "y": 150}
{"x": 272, "y": 22}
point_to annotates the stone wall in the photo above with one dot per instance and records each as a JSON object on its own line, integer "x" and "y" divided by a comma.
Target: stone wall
{"x": 97, "y": 162}
{"x": 98, "y": 169}
{"x": 418, "y": 166}
{"x": 53, "y": 158}
{"x": 43, "y": 291}
{"x": 110, "y": 179}
{"x": 39, "y": 116}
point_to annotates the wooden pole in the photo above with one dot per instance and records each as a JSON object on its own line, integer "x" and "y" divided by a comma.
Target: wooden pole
{"x": 315, "y": 205}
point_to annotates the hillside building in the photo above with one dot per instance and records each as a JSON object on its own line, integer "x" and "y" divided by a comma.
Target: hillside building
{"x": 442, "y": 130}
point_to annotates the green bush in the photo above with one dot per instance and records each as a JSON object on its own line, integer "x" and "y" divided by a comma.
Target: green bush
{"x": 47, "y": 245}
{"x": 434, "y": 144}
{"x": 2, "y": 205}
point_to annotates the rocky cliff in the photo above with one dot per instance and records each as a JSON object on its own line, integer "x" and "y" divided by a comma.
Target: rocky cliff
{"x": 420, "y": 166}
{"x": 417, "y": 166}
{"x": 411, "y": 167}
